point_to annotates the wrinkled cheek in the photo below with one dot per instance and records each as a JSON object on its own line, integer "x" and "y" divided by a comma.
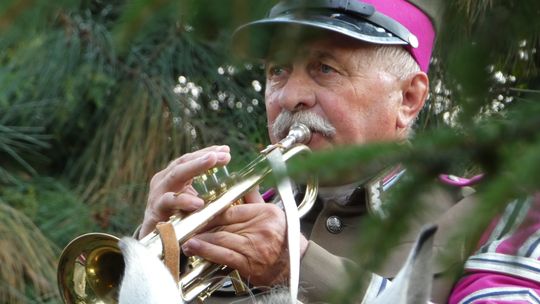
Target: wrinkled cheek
{"x": 386, "y": 132}
{"x": 356, "y": 129}
{"x": 272, "y": 111}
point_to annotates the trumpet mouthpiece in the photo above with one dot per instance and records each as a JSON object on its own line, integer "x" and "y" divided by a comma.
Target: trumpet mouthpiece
{"x": 301, "y": 133}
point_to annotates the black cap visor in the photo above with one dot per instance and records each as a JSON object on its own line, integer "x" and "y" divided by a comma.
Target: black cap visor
{"x": 253, "y": 39}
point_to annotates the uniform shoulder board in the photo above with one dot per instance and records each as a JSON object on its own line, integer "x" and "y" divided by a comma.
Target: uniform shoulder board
{"x": 465, "y": 184}
{"x": 457, "y": 181}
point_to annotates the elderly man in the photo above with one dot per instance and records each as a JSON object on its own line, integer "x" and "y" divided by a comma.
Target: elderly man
{"x": 354, "y": 74}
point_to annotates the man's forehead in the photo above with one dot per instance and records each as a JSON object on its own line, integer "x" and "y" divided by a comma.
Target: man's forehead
{"x": 305, "y": 51}
{"x": 319, "y": 45}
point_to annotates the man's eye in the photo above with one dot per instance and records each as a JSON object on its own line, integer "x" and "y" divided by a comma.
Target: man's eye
{"x": 277, "y": 71}
{"x": 326, "y": 69}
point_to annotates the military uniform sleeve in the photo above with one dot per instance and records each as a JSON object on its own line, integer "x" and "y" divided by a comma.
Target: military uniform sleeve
{"x": 506, "y": 266}
{"x": 323, "y": 273}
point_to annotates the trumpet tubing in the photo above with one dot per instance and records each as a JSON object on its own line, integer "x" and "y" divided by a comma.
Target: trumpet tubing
{"x": 91, "y": 266}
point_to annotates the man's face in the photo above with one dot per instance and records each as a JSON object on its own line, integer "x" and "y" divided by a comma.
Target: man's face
{"x": 338, "y": 79}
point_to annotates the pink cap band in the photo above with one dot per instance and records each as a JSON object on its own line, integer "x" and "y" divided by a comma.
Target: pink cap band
{"x": 416, "y": 21}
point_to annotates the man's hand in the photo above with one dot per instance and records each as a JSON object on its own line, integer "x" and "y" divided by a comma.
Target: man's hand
{"x": 250, "y": 238}
{"x": 171, "y": 191}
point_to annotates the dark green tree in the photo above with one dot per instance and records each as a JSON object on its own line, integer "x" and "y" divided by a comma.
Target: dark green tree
{"x": 97, "y": 95}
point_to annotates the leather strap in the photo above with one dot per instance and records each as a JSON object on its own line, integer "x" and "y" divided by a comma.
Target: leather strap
{"x": 171, "y": 249}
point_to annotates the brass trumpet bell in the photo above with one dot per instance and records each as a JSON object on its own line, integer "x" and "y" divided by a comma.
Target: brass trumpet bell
{"x": 90, "y": 269}
{"x": 91, "y": 266}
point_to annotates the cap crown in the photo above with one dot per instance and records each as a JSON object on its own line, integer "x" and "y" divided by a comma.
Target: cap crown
{"x": 411, "y": 14}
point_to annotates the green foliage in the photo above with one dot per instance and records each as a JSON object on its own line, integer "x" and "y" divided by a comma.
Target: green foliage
{"x": 99, "y": 79}
{"x": 28, "y": 260}
{"x": 51, "y": 206}
{"x": 19, "y": 144}
{"x": 87, "y": 96}
{"x": 99, "y": 95}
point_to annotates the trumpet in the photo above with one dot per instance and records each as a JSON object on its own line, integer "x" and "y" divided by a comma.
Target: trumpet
{"x": 91, "y": 266}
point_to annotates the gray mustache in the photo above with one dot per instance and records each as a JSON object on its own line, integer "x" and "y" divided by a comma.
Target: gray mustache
{"x": 314, "y": 122}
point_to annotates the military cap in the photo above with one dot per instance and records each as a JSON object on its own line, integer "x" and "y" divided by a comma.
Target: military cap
{"x": 408, "y": 23}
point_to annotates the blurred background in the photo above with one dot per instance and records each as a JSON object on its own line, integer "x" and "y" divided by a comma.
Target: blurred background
{"x": 96, "y": 96}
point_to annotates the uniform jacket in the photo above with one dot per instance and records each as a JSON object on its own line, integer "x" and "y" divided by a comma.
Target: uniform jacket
{"x": 332, "y": 230}
{"x": 329, "y": 257}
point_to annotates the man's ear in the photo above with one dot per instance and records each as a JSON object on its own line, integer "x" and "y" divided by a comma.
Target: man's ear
{"x": 415, "y": 90}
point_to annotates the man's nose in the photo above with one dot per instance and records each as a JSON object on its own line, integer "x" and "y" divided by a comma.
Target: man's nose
{"x": 298, "y": 93}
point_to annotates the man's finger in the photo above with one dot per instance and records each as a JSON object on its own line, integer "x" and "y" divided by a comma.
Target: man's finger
{"x": 171, "y": 203}
{"x": 214, "y": 253}
{"x": 235, "y": 214}
{"x": 223, "y": 238}
{"x": 179, "y": 175}
{"x": 196, "y": 154}
{"x": 236, "y": 217}
{"x": 253, "y": 196}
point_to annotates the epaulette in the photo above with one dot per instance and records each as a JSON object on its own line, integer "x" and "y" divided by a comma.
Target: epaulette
{"x": 462, "y": 184}
{"x": 378, "y": 186}
{"x": 457, "y": 181}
